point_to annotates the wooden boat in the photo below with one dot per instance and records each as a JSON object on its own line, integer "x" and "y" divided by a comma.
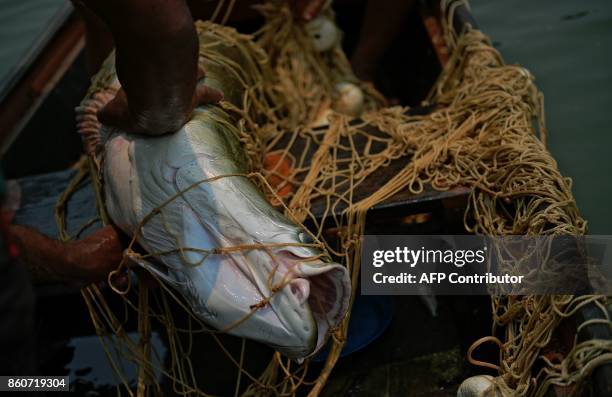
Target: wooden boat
{"x": 37, "y": 118}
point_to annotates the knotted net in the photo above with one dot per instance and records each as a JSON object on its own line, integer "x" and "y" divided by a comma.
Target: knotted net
{"x": 486, "y": 132}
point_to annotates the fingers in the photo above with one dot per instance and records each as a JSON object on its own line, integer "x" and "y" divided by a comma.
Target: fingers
{"x": 108, "y": 239}
{"x": 201, "y": 72}
{"x": 206, "y": 95}
{"x": 103, "y": 251}
{"x": 116, "y": 113}
{"x": 122, "y": 280}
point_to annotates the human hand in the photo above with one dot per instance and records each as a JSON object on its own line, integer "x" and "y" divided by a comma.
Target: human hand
{"x": 77, "y": 263}
{"x": 91, "y": 259}
{"x": 156, "y": 60}
{"x": 117, "y": 113}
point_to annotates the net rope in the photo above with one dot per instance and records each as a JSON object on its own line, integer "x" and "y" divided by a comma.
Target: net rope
{"x": 486, "y": 133}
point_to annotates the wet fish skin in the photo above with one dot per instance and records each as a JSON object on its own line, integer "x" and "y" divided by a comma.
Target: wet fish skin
{"x": 143, "y": 173}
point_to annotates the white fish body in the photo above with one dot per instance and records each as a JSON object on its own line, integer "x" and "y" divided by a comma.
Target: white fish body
{"x": 143, "y": 174}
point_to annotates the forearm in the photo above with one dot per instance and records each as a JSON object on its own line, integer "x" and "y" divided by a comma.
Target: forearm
{"x": 156, "y": 59}
{"x": 81, "y": 261}
{"x": 98, "y": 38}
{"x": 37, "y": 252}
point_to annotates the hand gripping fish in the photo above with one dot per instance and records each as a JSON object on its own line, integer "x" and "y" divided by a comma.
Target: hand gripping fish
{"x": 194, "y": 182}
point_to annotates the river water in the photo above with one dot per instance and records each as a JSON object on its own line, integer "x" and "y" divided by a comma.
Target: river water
{"x": 567, "y": 45}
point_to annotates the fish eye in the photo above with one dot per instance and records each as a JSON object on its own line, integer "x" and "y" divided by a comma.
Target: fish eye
{"x": 305, "y": 238}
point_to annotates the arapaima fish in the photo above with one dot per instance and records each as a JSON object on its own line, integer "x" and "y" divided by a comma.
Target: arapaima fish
{"x": 195, "y": 183}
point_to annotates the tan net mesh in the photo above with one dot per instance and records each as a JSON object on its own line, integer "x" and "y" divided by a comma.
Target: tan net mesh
{"x": 483, "y": 134}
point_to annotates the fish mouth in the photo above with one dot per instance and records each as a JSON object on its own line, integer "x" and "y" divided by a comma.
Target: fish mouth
{"x": 328, "y": 300}
{"x": 287, "y": 300}
{"x": 313, "y": 302}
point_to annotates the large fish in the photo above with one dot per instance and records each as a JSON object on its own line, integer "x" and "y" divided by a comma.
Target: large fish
{"x": 294, "y": 299}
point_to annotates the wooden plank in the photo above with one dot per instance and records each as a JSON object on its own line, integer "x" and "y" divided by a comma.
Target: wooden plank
{"x": 25, "y": 98}
{"x": 404, "y": 201}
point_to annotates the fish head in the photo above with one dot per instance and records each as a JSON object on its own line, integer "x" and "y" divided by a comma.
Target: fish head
{"x": 306, "y": 296}
{"x": 303, "y": 294}
{"x": 270, "y": 284}
{"x": 279, "y": 292}
{"x": 265, "y": 278}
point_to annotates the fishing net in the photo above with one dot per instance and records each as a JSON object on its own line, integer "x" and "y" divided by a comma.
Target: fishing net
{"x": 311, "y": 157}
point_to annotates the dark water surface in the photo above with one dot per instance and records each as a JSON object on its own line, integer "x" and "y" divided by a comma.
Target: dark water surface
{"x": 567, "y": 45}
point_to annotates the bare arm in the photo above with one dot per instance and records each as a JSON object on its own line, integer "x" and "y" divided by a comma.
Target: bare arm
{"x": 77, "y": 262}
{"x": 157, "y": 64}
